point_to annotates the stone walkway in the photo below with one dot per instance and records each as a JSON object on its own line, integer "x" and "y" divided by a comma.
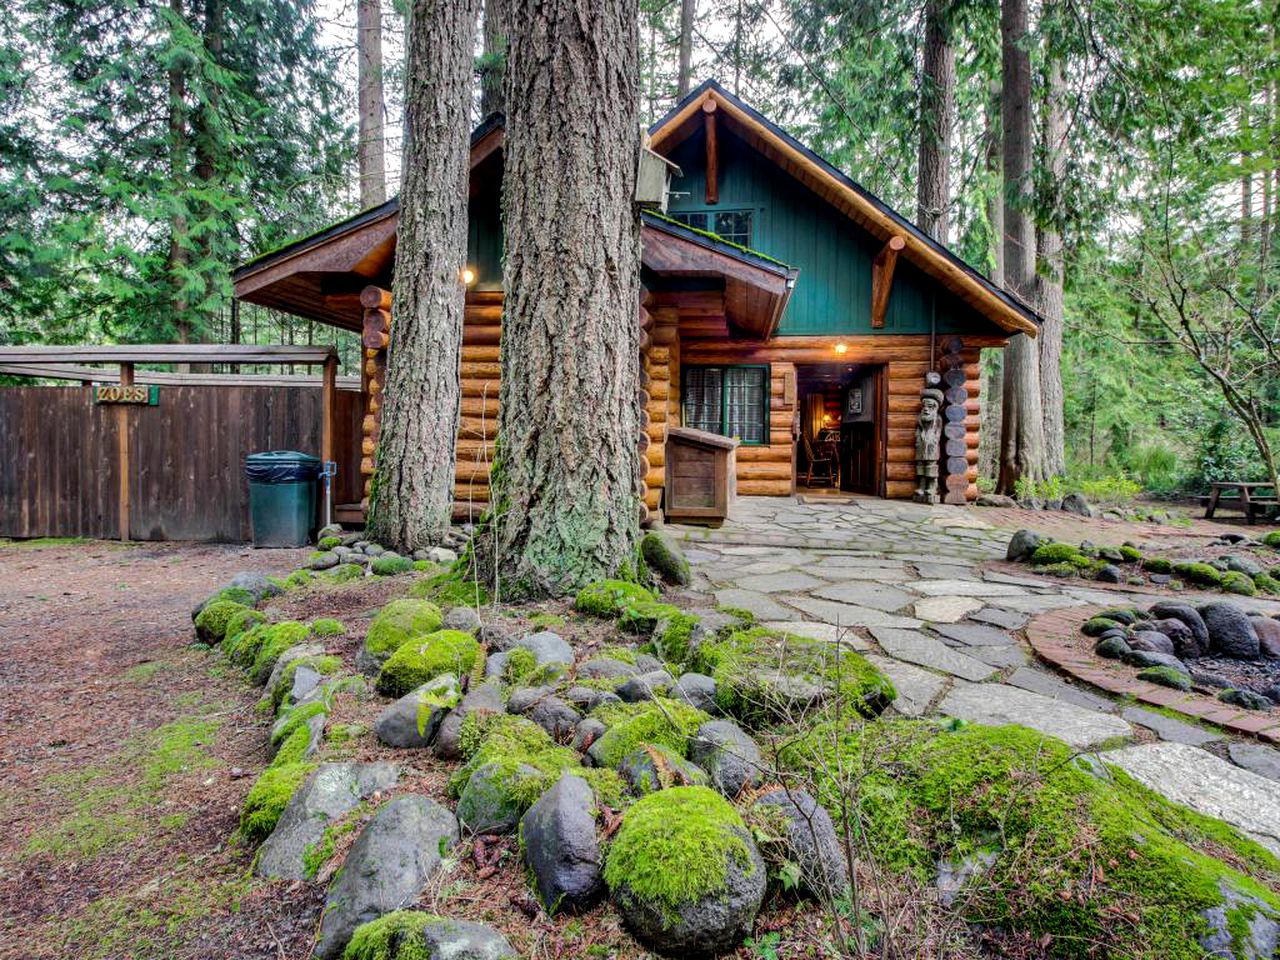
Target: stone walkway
{"x": 903, "y": 583}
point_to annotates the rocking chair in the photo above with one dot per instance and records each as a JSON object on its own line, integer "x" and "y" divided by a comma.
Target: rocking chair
{"x": 824, "y": 465}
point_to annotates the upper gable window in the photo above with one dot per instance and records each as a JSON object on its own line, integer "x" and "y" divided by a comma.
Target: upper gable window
{"x": 731, "y": 225}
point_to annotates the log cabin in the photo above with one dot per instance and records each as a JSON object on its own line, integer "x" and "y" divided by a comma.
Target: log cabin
{"x": 782, "y": 305}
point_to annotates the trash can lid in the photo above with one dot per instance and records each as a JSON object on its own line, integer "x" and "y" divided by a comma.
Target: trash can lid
{"x": 281, "y": 466}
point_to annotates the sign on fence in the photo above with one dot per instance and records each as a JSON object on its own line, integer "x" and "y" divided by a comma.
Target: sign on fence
{"x": 143, "y": 394}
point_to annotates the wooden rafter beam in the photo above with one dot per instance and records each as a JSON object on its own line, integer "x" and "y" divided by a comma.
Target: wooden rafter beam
{"x": 713, "y": 153}
{"x": 882, "y": 279}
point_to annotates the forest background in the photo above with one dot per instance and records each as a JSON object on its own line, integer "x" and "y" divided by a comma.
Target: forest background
{"x": 148, "y": 147}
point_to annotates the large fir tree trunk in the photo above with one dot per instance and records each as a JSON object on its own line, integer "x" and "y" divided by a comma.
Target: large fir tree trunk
{"x": 372, "y": 152}
{"x": 1050, "y": 278}
{"x": 937, "y": 116}
{"x": 179, "y": 255}
{"x": 496, "y": 16}
{"x": 688, "y": 8}
{"x": 1022, "y": 420}
{"x": 565, "y": 503}
{"x": 411, "y": 503}
{"x": 993, "y": 360}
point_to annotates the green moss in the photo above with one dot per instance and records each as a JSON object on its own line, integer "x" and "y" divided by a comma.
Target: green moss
{"x": 387, "y": 566}
{"x": 1198, "y": 573}
{"x": 317, "y": 854}
{"x": 1272, "y": 539}
{"x": 1132, "y": 554}
{"x": 926, "y": 794}
{"x": 520, "y": 664}
{"x": 323, "y": 664}
{"x": 748, "y": 666}
{"x": 343, "y": 733}
{"x": 452, "y": 589}
{"x": 715, "y": 237}
{"x": 268, "y": 797}
{"x": 1166, "y": 677}
{"x": 328, "y": 543}
{"x": 1058, "y": 570}
{"x": 1239, "y": 583}
{"x": 1267, "y": 583}
{"x": 1054, "y": 553}
{"x": 1097, "y": 626}
{"x": 242, "y": 621}
{"x": 212, "y": 621}
{"x": 661, "y": 721}
{"x": 643, "y": 617}
{"x": 546, "y": 621}
{"x": 608, "y": 599}
{"x": 746, "y": 617}
{"x": 619, "y": 652}
{"x": 297, "y": 717}
{"x": 692, "y": 827}
{"x": 393, "y": 936}
{"x": 400, "y": 621}
{"x": 294, "y": 747}
{"x": 425, "y": 658}
{"x": 343, "y": 573}
{"x": 1157, "y": 565}
{"x": 327, "y": 627}
{"x": 276, "y": 639}
{"x": 670, "y": 640}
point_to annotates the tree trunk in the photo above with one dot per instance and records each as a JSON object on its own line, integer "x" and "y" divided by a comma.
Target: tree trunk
{"x": 565, "y": 501}
{"x": 411, "y": 503}
{"x": 937, "y": 117}
{"x": 688, "y": 9}
{"x": 179, "y": 255}
{"x": 372, "y": 153}
{"x": 1050, "y": 278}
{"x": 993, "y": 360}
{"x": 1022, "y": 421}
{"x": 493, "y": 66}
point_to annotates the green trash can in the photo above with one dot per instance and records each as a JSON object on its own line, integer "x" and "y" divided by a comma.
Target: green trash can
{"x": 282, "y": 497}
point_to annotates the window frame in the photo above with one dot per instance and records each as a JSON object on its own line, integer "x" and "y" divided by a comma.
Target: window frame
{"x": 710, "y": 214}
{"x": 724, "y": 388}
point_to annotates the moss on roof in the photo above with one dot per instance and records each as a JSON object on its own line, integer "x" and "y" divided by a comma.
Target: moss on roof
{"x": 716, "y": 238}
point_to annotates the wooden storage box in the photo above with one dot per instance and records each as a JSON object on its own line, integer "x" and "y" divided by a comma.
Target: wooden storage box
{"x": 701, "y": 476}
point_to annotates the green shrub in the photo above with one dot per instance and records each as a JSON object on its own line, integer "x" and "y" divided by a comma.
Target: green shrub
{"x": 1109, "y": 491}
{"x": 400, "y": 621}
{"x": 610, "y": 598}
{"x": 1198, "y": 573}
{"x": 425, "y": 658}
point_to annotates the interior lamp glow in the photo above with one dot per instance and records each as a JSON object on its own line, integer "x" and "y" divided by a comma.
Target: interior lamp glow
{"x": 842, "y": 348}
{"x": 468, "y": 276}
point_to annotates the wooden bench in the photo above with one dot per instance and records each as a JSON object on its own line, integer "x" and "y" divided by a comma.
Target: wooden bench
{"x": 1244, "y": 499}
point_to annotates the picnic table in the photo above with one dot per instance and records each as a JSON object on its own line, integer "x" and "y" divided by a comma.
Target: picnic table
{"x": 1245, "y": 498}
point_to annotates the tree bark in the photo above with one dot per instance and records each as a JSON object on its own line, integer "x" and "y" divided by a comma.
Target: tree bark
{"x": 411, "y": 501}
{"x": 496, "y": 15}
{"x": 1022, "y": 420}
{"x": 564, "y": 489}
{"x": 684, "y": 80}
{"x": 993, "y": 360}
{"x": 1050, "y": 278}
{"x": 937, "y": 117}
{"x": 372, "y": 152}
{"x": 179, "y": 255}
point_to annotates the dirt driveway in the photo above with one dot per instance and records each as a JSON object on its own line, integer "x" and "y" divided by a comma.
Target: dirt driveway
{"x": 124, "y": 754}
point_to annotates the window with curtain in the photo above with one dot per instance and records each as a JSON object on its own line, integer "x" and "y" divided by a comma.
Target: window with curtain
{"x": 731, "y": 401}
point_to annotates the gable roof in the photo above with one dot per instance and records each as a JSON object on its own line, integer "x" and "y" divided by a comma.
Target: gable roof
{"x": 845, "y": 194}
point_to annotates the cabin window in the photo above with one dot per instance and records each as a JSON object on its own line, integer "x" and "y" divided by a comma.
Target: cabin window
{"x": 730, "y": 401}
{"x": 731, "y": 225}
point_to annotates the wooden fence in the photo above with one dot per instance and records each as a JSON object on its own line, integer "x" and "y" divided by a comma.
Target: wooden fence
{"x": 60, "y": 458}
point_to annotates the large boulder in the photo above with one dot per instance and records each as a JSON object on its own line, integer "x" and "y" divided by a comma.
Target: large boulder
{"x": 730, "y": 757}
{"x": 810, "y": 838}
{"x": 664, "y": 557}
{"x": 1077, "y": 504}
{"x": 1187, "y": 614}
{"x": 1184, "y": 641}
{"x": 1268, "y": 632}
{"x": 1022, "y": 545}
{"x": 414, "y": 719}
{"x": 561, "y": 848}
{"x": 484, "y": 698}
{"x": 684, "y": 873}
{"x": 1231, "y": 634}
{"x": 387, "y": 867}
{"x": 1151, "y": 641}
{"x": 258, "y": 585}
{"x": 396, "y": 624}
{"x": 331, "y": 792}
{"x": 489, "y": 802}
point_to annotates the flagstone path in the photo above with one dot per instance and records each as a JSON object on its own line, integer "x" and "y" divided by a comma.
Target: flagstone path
{"x": 905, "y": 583}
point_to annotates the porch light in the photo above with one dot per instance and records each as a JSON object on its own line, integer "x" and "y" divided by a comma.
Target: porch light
{"x": 842, "y": 348}
{"x": 468, "y": 276}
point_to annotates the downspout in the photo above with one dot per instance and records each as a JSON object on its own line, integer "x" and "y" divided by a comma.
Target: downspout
{"x": 933, "y": 329}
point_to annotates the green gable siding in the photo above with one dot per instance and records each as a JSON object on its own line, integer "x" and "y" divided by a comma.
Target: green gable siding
{"x": 484, "y": 238}
{"x": 790, "y": 222}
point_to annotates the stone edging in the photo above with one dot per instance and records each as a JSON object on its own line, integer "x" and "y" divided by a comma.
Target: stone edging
{"x": 1051, "y": 636}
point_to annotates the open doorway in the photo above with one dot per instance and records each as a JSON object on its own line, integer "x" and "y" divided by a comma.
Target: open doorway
{"x": 838, "y": 449}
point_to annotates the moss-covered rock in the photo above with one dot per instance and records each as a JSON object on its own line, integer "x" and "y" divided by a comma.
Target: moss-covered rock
{"x": 268, "y": 797}
{"x": 1130, "y": 554}
{"x": 660, "y": 721}
{"x": 763, "y": 675}
{"x": 1157, "y": 565}
{"x": 400, "y": 621}
{"x": 425, "y": 658}
{"x": 1267, "y": 583}
{"x": 657, "y": 767}
{"x": 328, "y": 543}
{"x": 453, "y": 588}
{"x": 1200, "y": 574}
{"x": 1239, "y": 583}
{"x": 1055, "y": 553}
{"x": 324, "y": 664}
{"x": 342, "y": 573}
{"x": 212, "y": 621}
{"x": 928, "y": 795}
{"x": 289, "y": 722}
{"x": 1166, "y": 677}
{"x": 1272, "y": 539}
{"x": 708, "y": 904}
{"x": 642, "y": 618}
{"x": 610, "y": 598}
{"x": 275, "y": 640}
{"x": 327, "y": 627}
{"x": 665, "y": 558}
{"x": 240, "y": 622}
{"x": 388, "y": 565}
{"x": 1064, "y": 569}
{"x": 414, "y": 935}
{"x": 1097, "y": 626}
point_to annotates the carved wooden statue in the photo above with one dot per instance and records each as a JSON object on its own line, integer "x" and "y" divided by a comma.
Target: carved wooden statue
{"x": 928, "y": 445}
